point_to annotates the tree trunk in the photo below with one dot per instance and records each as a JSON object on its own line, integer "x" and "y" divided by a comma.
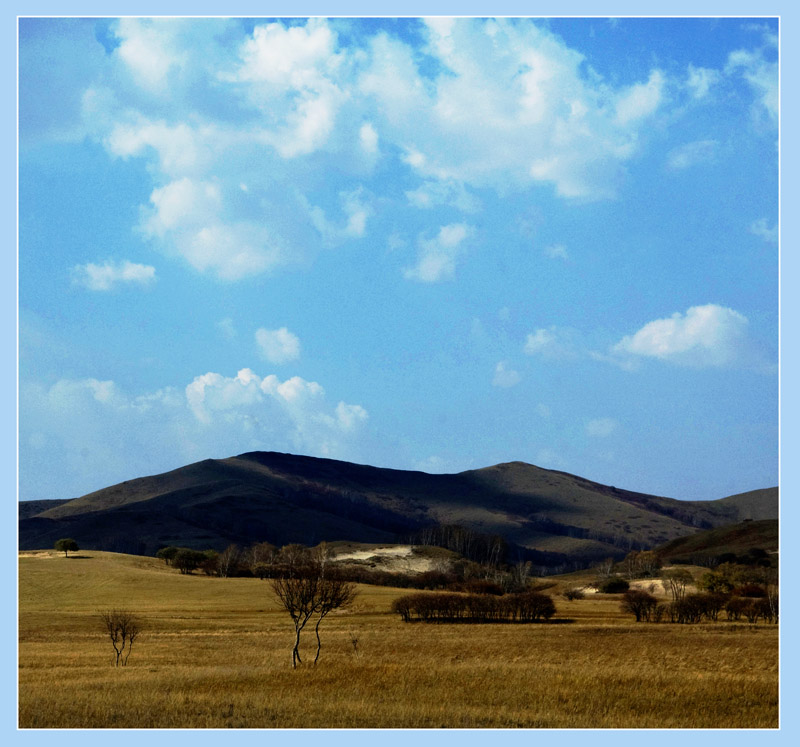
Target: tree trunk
{"x": 319, "y": 643}
{"x": 295, "y": 652}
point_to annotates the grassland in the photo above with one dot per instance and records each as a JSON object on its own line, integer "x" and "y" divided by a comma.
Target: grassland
{"x": 216, "y": 653}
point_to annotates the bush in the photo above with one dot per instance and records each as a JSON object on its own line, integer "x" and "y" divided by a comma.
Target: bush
{"x": 573, "y": 594}
{"x": 613, "y": 586}
{"x": 638, "y": 603}
{"x": 750, "y": 590}
{"x": 167, "y": 554}
{"x": 186, "y": 560}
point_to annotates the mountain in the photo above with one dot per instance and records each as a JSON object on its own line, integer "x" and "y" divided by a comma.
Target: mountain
{"x": 282, "y": 498}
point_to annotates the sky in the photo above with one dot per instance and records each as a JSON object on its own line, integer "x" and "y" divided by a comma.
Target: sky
{"x": 433, "y": 245}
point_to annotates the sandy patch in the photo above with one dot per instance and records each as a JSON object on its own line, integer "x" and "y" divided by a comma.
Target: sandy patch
{"x": 393, "y": 558}
{"x": 41, "y": 554}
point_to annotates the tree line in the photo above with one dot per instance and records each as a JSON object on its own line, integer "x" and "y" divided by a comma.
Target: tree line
{"x": 520, "y": 607}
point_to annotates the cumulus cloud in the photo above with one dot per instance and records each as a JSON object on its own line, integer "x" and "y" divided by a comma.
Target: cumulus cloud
{"x": 437, "y": 256}
{"x": 125, "y": 436}
{"x": 601, "y": 427}
{"x": 106, "y": 276}
{"x": 704, "y": 336}
{"x": 505, "y": 104}
{"x": 278, "y": 345}
{"x": 504, "y": 376}
{"x": 691, "y": 154}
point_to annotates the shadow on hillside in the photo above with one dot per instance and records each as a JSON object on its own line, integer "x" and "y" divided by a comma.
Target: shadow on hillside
{"x": 78, "y": 557}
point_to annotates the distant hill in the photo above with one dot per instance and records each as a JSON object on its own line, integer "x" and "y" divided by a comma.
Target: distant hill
{"x": 737, "y": 539}
{"x": 281, "y": 498}
{"x": 32, "y": 508}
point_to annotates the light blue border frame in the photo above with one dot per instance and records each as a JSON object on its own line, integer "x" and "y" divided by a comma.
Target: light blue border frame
{"x": 790, "y": 313}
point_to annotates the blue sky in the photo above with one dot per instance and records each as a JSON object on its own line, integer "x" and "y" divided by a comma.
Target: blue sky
{"x": 418, "y": 245}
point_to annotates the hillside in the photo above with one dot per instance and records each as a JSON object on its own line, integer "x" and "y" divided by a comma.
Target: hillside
{"x": 281, "y": 498}
{"x": 737, "y": 539}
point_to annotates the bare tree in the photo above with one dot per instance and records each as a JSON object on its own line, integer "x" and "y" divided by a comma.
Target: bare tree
{"x": 259, "y": 554}
{"x": 298, "y": 590}
{"x": 675, "y": 582}
{"x": 228, "y": 560}
{"x": 604, "y": 568}
{"x": 334, "y": 592}
{"x": 123, "y": 628}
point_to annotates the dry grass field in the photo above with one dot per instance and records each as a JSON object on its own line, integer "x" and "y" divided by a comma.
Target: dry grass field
{"x": 216, "y": 652}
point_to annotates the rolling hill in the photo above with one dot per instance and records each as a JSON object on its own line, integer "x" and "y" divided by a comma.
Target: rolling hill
{"x": 736, "y": 539}
{"x": 281, "y": 498}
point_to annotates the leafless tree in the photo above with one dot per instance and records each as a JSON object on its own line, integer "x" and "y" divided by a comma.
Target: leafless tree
{"x": 604, "y": 568}
{"x": 675, "y": 582}
{"x": 123, "y": 628}
{"x": 334, "y": 592}
{"x": 261, "y": 553}
{"x": 228, "y": 560}
{"x": 298, "y": 590}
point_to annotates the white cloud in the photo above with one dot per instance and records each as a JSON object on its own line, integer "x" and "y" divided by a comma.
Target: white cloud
{"x": 187, "y": 216}
{"x": 761, "y": 75}
{"x": 764, "y": 230}
{"x": 556, "y": 251}
{"x": 368, "y": 138}
{"x": 640, "y": 100}
{"x": 691, "y": 154}
{"x": 700, "y": 81}
{"x": 704, "y": 336}
{"x": 278, "y": 345}
{"x": 555, "y": 343}
{"x": 437, "y": 257}
{"x": 509, "y": 106}
{"x": 148, "y": 50}
{"x": 601, "y": 427}
{"x": 110, "y": 274}
{"x": 126, "y": 436}
{"x": 356, "y": 211}
{"x": 504, "y": 376}
{"x": 432, "y": 193}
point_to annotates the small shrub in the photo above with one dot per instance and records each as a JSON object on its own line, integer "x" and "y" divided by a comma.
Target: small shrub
{"x": 573, "y": 594}
{"x": 613, "y": 586}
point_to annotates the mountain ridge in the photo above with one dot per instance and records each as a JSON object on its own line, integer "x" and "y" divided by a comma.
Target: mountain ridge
{"x": 281, "y": 498}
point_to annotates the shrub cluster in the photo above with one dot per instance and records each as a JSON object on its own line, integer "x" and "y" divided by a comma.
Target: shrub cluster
{"x": 523, "y": 607}
{"x": 694, "y": 608}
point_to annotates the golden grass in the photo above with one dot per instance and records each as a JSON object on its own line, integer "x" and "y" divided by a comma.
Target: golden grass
{"x": 216, "y": 653}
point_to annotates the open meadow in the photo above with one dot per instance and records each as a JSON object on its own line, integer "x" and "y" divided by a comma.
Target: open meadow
{"x": 216, "y": 652}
